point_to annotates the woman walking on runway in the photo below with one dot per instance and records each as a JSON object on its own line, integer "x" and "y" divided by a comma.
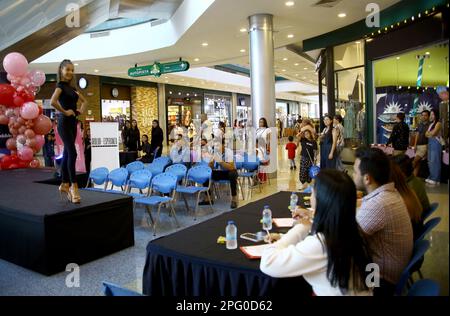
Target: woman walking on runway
{"x": 65, "y": 99}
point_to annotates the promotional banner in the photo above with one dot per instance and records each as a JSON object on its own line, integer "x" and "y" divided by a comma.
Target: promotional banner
{"x": 80, "y": 166}
{"x": 105, "y": 145}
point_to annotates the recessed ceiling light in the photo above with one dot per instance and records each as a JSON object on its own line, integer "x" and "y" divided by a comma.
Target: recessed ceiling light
{"x": 296, "y": 75}
{"x": 170, "y": 92}
{"x": 179, "y": 93}
{"x": 195, "y": 95}
{"x": 196, "y": 59}
{"x": 306, "y": 68}
{"x": 290, "y": 36}
{"x": 204, "y": 44}
{"x": 342, "y": 15}
{"x": 188, "y": 94}
{"x": 398, "y": 58}
{"x": 243, "y": 30}
{"x": 427, "y": 53}
{"x": 76, "y": 64}
{"x": 95, "y": 70}
{"x": 242, "y": 50}
{"x": 296, "y": 64}
{"x": 357, "y": 42}
{"x": 289, "y": 3}
{"x": 285, "y": 59}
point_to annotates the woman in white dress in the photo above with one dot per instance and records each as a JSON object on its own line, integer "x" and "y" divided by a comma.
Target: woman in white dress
{"x": 263, "y": 143}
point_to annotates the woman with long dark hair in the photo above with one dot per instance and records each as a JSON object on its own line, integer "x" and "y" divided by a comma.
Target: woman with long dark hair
{"x": 329, "y": 253}
{"x": 328, "y": 143}
{"x": 434, "y": 148}
{"x": 134, "y": 137}
{"x": 156, "y": 144}
{"x": 65, "y": 99}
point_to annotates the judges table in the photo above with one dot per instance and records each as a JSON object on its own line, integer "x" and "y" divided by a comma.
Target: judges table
{"x": 191, "y": 263}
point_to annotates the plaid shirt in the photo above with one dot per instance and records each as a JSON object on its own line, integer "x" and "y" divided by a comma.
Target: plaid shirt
{"x": 385, "y": 222}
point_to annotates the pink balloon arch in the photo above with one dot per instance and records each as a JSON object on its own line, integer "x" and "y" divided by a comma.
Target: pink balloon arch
{"x": 23, "y": 116}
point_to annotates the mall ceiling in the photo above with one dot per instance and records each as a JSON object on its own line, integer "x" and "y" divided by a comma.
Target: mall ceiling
{"x": 222, "y": 26}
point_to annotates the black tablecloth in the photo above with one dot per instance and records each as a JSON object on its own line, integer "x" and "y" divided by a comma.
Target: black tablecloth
{"x": 125, "y": 157}
{"x": 191, "y": 263}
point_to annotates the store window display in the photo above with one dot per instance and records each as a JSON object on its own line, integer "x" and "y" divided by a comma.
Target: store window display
{"x": 218, "y": 109}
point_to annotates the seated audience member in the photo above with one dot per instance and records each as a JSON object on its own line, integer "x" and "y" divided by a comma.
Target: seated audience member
{"x": 329, "y": 253}
{"x": 146, "y": 149}
{"x": 418, "y": 186}
{"x": 223, "y": 169}
{"x": 179, "y": 152}
{"x": 383, "y": 218}
{"x": 410, "y": 198}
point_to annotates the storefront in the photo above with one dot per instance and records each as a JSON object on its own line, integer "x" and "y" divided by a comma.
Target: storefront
{"x": 368, "y": 75}
{"x": 243, "y": 110}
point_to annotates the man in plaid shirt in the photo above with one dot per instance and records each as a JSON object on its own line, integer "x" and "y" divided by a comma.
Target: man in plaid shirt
{"x": 383, "y": 218}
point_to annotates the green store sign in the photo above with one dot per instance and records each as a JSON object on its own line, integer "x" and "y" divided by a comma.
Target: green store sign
{"x": 158, "y": 69}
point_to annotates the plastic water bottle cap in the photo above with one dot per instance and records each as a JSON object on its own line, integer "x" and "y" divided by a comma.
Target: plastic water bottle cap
{"x": 230, "y": 222}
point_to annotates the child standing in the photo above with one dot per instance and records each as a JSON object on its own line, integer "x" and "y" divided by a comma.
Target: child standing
{"x": 308, "y": 148}
{"x": 291, "y": 147}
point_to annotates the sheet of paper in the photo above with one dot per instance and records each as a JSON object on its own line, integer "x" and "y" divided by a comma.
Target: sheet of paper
{"x": 283, "y": 222}
{"x": 254, "y": 252}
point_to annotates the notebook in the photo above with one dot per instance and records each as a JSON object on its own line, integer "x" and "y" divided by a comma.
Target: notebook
{"x": 254, "y": 252}
{"x": 283, "y": 222}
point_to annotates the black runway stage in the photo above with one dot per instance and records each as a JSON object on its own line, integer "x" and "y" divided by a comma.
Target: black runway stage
{"x": 43, "y": 233}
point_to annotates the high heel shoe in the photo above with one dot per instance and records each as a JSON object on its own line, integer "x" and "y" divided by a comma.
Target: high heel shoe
{"x": 64, "y": 191}
{"x": 74, "y": 194}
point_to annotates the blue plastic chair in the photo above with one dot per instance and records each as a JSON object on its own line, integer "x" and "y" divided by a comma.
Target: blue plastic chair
{"x": 155, "y": 168}
{"x": 196, "y": 176}
{"x": 163, "y": 160}
{"x": 250, "y": 174}
{"x": 425, "y": 287}
{"x": 141, "y": 180}
{"x": 428, "y": 227}
{"x": 420, "y": 248}
{"x": 164, "y": 183}
{"x": 97, "y": 176}
{"x": 179, "y": 170}
{"x": 431, "y": 210}
{"x": 110, "y": 289}
{"x": 134, "y": 166}
{"x": 118, "y": 178}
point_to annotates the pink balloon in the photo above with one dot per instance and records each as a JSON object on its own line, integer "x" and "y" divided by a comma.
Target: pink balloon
{"x": 15, "y": 64}
{"x": 31, "y": 142}
{"x": 29, "y": 133}
{"x": 42, "y": 125}
{"x": 22, "y": 129}
{"x": 14, "y": 132}
{"x": 11, "y": 144}
{"x": 25, "y": 81}
{"x": 29, "y": 111}
{"x": 40, "y": 141}
{"x": 35, "y": 163}
{"x": 25, "y": 153}
{"x": 37, "y": 77}
{"x": 21, "y": 139}
{"x": 4, "y": 120}
{"x": 21, "y": 121}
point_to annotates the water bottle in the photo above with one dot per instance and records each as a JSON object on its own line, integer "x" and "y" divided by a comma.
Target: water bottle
{"x": 231, "y": 235}
{"x": 293, "y": 203}
{"x": 267, "y": 218}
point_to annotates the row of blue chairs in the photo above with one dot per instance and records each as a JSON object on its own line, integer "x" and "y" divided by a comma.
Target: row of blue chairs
{"x": 421, "y": 246}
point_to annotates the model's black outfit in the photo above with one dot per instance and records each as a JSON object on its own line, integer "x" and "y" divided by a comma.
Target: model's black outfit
{"x": 134, "y": 139}
{"x": 147, "y": 157}
{"x": 67, "y": 129}
{"x": 399, "y": 136}
{"x": 157, "y": 141}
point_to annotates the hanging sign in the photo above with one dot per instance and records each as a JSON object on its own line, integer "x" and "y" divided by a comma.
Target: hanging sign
{"x": 158, "y": 69}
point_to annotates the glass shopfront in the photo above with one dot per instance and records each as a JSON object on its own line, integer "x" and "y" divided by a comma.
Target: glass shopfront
{"x": 218, "y": 108}
{"x": 350, "y": 101}
{"x": 243, "y": 110}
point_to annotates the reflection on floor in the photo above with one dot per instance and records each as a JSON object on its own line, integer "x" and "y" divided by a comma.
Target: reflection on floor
{"x": 125, "y": 268}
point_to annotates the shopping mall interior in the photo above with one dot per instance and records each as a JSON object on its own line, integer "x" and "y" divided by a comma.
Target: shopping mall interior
{"x": 184, "y": 72}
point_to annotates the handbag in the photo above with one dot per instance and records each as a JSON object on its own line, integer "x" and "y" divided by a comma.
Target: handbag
{"x": 314, "y": 169}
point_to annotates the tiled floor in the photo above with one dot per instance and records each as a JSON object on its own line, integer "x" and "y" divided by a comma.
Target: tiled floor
{"x": 125, "y": 267}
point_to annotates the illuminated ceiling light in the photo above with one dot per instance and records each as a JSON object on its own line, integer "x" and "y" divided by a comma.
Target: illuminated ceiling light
{"x": 96, "y": 70}
{"x": 342, "y": 15}
{"x": 167, "y": 81}
{"x": 419, "y": 15}
{"x": 296, "y": 75}
{"x": 306, "y": 68}
{"x": 182, "y": 79}
{"x": 357, "y": 42}
{"x": 197, "y": 59}
{"x": 398, "y": 58}
{"x": 170, "y": 92}
{"x": 75, "y": 64}
{"x": 399, "y": 87}
{"x": 205, "y": 44}
{"x": 412, "y": 18}
{"x": 296, "y": 64}
{"x": 290, "y": 36}
{"x": 311, "y": 80}
{"x": 285, "y": 59}
{"x": 242, "y": 50}
{"x": 303, "y": 78}
{"x": 426, "y": 12}
{"x": 243, "y": 30}
{"x": 369, "y": 40}
{"x": 283, "y": 70}
{"x": 289, "y": 3}
{"x": 188, "y": 94}
{"x": 427, "y": 53}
